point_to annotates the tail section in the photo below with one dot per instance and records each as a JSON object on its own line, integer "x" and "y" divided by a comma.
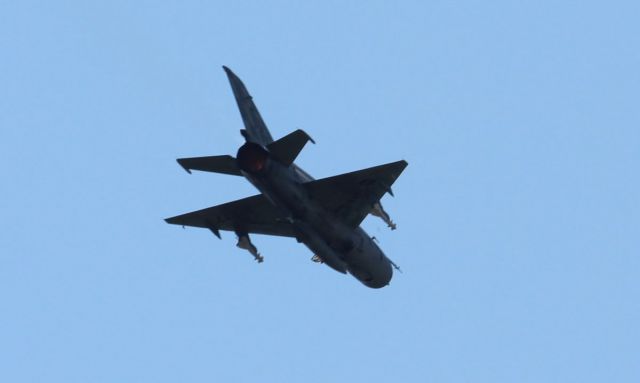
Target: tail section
{"x": 288, "y": 147}
{"x": 255, "y": 129}
{"x": 215, "y": 164}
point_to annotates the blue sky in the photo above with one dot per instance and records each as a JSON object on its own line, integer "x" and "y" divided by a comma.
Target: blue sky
{"x": 518, "y": 216}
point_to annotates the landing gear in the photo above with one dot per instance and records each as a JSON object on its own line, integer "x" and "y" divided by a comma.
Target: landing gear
{"x": 245, "y": 243}
{"x": 378, "y": 211}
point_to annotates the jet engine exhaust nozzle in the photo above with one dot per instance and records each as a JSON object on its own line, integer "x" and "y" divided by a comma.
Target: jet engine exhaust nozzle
{"x": 252, "y": 158}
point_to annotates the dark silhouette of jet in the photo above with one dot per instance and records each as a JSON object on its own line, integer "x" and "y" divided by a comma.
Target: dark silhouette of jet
{"x": 323, "y": 214}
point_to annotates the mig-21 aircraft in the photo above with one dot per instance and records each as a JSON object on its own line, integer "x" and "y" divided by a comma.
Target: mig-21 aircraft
{"x": 324, "y": 214}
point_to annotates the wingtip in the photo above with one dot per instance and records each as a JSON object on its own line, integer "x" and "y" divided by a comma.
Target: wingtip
{"x": 183, "y": 166}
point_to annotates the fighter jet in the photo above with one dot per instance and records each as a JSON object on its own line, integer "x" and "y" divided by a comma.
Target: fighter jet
{"x": 324, "y": 214}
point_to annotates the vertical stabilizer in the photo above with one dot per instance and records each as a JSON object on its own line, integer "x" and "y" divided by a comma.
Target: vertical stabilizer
{"x": 255, "y": 129}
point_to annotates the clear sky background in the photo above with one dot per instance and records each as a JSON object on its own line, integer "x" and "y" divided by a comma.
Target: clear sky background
{"x": 518, "y": 216}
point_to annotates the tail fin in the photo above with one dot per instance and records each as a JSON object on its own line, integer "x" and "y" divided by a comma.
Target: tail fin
{"x": 255, "y": 129}
{"x": 288, "y": 147}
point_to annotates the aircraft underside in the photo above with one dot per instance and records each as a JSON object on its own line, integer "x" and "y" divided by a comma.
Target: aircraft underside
{"x": 324, "y": 214}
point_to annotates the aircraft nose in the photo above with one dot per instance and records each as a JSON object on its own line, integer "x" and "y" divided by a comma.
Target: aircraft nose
{"x": 380, "y": 281}
{"x": 375, "y": 278}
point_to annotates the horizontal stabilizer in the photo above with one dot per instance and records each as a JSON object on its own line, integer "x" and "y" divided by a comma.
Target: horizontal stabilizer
{"x": 288, "y": 147}
{"x": 215, "y": 164}
{"x": 351, "y": 196}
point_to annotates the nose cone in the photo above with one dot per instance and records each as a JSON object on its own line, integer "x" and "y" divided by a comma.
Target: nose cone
{"x": 381, "y": 280}
{"x": 375, "y": 277}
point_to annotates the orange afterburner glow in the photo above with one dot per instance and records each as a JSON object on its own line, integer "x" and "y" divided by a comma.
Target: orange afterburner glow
{"x": 252, "y": 157}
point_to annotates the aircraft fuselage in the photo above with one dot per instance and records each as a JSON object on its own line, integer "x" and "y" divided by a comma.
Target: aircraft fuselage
{"x": 343, "y": 248}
